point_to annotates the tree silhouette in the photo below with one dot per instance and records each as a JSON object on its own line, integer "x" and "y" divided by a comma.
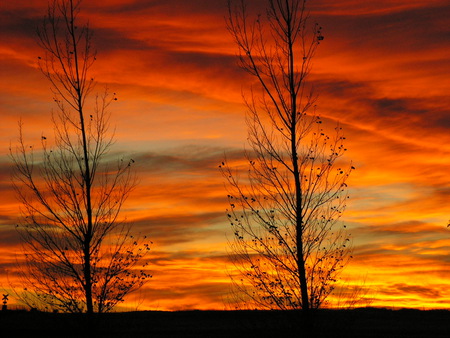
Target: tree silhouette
{"x": 288, "y": 245}
{"x": 79, "y": 256}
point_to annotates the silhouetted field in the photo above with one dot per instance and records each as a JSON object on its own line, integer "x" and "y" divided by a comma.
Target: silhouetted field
{"x": 360, "y": 323}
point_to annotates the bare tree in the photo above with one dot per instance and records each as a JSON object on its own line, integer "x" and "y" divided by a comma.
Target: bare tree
{"x": 79, "y": 256}
{"x": 288, "y": 243}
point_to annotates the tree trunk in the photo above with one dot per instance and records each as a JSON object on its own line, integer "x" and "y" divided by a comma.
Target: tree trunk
{"x": 299, "y": 235}
{"x": 88, "y": 280}
{"x": 294, "y": 120}
{"x": 86, "y": 174}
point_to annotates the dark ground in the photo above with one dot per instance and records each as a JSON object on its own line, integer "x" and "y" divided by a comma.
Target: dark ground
{"x": 358, "y": 323}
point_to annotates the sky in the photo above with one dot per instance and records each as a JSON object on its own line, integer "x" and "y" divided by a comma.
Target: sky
{"x": 381, "y": 71}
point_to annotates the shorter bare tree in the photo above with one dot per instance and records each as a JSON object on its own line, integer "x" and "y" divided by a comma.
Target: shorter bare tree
{"x": 79, "y": 255}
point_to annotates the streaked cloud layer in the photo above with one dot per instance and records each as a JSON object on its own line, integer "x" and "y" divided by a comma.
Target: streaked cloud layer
{"x": 382, "y": 71}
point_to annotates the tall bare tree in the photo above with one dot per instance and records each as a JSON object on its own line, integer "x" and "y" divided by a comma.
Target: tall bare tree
{"x": 289, "y": 245}
{"x": 80, "y": 257}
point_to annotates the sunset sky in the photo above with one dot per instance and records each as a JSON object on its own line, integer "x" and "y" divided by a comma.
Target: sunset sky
{"x": 382, "y": 71}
